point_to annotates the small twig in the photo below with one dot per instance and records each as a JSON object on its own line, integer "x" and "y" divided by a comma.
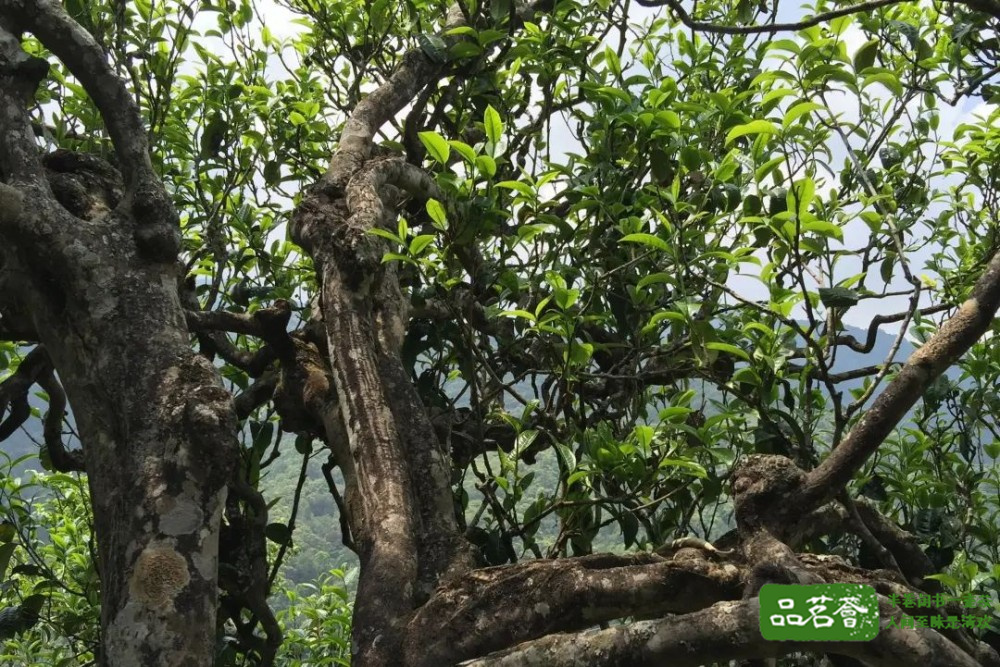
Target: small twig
{"x": 704, "y": 26}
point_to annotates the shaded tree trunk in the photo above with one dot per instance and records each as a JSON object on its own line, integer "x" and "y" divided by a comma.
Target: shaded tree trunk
{"x": 158, "y": 432}
{"x": 88, "y": 270}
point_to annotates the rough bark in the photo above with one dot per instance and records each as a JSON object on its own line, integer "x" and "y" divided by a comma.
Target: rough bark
{"x": 493, "y": 608}
{"x": 725, "y": 631}
{"x": 157, "y": 428}
{"x": 89, "y": 261}
{"x": 397, "y": 473}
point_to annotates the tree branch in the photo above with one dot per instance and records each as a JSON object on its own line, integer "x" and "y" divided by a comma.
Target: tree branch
{"x": 62, "y": 459}
{"x": 823, "y": 17}
{"x": 879, "y": 320}
{"x": 14, "y": 391}
{"x": 725, "y": 631}
{"x": 77, "y": 48}
{"x": 560, "y": 595}
{"x": 904, "y": 547}
{"x": 951, "y": 341}
{"x": 991, "y": 7}
{"x": 157, "y": 227}
{"x": 256, "y": 395}
{"x": 19, "y": 155}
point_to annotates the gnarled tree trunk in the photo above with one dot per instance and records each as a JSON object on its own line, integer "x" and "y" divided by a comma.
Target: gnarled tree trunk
{"x": 88, "y": 270}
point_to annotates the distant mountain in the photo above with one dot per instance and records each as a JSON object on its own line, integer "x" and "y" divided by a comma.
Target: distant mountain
{"x": 848, "y": 359}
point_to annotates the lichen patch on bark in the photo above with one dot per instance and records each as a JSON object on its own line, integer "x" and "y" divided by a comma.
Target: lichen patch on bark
{"x": 160, "y": 574}
{"x": 182, "y": 518}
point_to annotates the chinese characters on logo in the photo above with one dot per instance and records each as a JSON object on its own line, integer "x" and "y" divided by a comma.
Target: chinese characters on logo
{"x": 821, "y": 612}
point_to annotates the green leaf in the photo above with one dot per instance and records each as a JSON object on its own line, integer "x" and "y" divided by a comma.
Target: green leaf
{"x": 386, "y": 234}
{"x": 611, "y": 58}
{"x": 838, "y": 297}
{"x": 493, "y": 125}
{"x": 396, "y": 257}
{"x": 463, "y": 149}
{"x": 615, "y": 93}
{"x": 263, "y": 437}
{"x": 437, "y": 213}
{"x": 765, "y": 169}
{"x": 519, "y": 313}
{"x": 418, "y": 243}
{"x": 887, "y": 267}
{"x": 579, "y": 353}
{"x": 567, "y": 456}
{"x": 272, "y": 172}
{"x": 803, "y": 192}
{"x": 824, "y": 228}
{"x": 663, "y": 166}
{"x": 728, "y": 349}
{"x": 436, "y": 146}
{"x": 675, "y": 413}
{"x": 669, "y": 119}
{"x": 487, "y": 166}
{"x": 777, "y": 94}
{"x": 784, "y": 45}
{"x": 629, "y": 526}
{"x": 890, "y": 156}
{"x": 841, "y": 23}
{"x": 946, "y": 579}
{"x": 887, "y": 79}
{"x": 213, "y": 136}
{"x": 654, "y": 278}
{"x": 797, "y": 111}
{"x": 865, "y": 56}
{"x": 378, "y": 15}
{"x": 992, "y": 449}
{"x": 500, "y": 10}
{"x": 6, "y": 550}
{"x": 523, "y": 188}
{"x": 648, "y": 240}
{"x": 523, "y": 441}
{"x": 462, "y": 50}
{"x": 751, "y": 128}
{"x": 278, "y": 533}
{"x": 690, "y": 157}
{"x": 690, "y": 466}
{"x": 435, "y": 48}
{"x": 655, "y": 320}
{"x": 463, "y": 30}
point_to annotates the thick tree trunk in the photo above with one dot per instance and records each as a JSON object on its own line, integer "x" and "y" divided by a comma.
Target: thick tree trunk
{"x": 88, "y": 263}
{"x": 158, "y": 432}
